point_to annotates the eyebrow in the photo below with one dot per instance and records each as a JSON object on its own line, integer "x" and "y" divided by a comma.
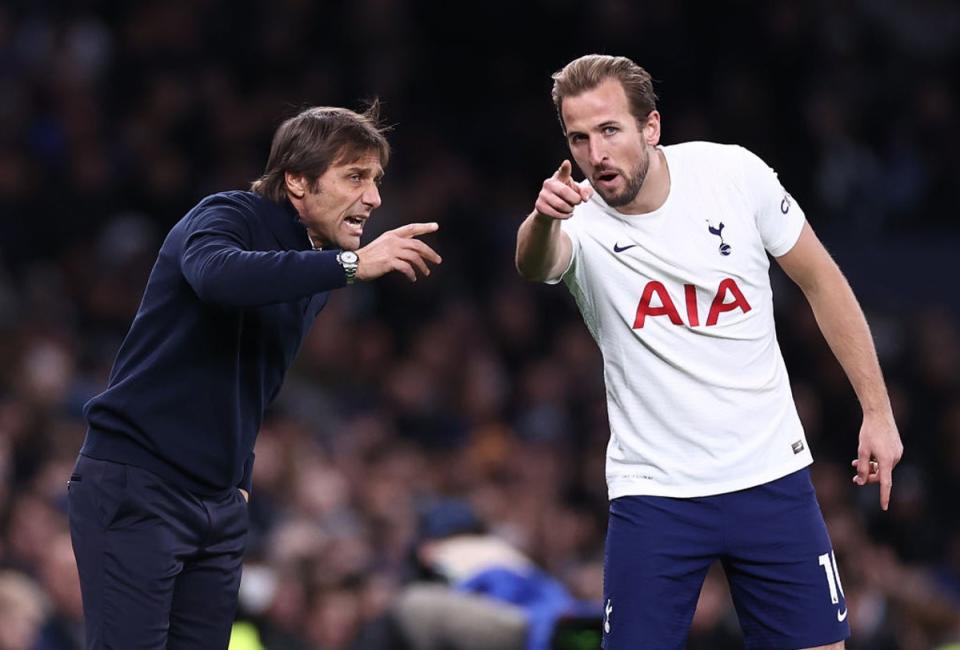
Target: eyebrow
{"x": 365, "y": 171}
{"x": 602, "y": 125}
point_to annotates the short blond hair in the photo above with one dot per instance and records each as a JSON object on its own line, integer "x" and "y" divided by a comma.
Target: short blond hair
{"x": 589, "y": 71}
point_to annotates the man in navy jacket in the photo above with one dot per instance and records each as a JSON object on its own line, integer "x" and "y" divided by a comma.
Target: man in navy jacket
{"x": 158, "y": 496}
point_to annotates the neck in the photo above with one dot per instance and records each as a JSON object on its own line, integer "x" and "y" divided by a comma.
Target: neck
{"x": 656, "y": 186}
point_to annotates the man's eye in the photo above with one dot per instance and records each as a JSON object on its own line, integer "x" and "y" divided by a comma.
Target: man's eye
{"x": 610, "y": 130}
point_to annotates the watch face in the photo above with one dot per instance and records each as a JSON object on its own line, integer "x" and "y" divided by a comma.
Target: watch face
{"x": 349, "y": 257}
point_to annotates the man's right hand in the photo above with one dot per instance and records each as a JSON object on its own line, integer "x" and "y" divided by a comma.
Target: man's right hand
{"x": 560, "y": 194}
{"x": 398, "y": 250}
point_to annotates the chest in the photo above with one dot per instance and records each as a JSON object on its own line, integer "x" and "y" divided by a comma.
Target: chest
{"x": 699, "y": 263}
{"x": 698, "y": 241}
{"x": 272, "y": 334}
{"x": 284, "y": 325}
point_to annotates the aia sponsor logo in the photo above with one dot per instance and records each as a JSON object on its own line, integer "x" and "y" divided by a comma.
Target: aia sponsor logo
{"x": 728, "y": 297}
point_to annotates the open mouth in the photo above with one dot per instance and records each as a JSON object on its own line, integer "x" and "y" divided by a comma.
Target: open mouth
{"x": 606, "y": 178}
{"x": 355, "y": 222}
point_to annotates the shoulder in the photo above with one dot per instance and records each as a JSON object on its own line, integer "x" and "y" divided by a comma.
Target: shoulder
{"x": 242, "y": 201}
{"x": 234, "y": 205}
{"x": 706, "y": 152}
{"x": 728, "y": 164}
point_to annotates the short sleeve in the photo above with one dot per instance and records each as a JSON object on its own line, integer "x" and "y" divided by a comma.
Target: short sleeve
{"x": 778, "y": 217}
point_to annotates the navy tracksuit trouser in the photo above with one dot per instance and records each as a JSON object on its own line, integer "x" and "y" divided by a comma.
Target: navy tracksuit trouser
{"x": 159, "y": 566}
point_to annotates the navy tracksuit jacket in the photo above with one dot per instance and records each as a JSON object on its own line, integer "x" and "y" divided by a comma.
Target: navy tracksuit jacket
{"x": 158, "y": 525}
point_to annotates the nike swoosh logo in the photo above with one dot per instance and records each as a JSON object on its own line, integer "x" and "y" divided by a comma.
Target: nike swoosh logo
{"x": 619, "y": 249}
{"x": 841, "y": 616}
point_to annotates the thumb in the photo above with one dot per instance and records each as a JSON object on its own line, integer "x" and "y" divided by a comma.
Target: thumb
{"x": 563, "y": 173}
{"x": 585, "y": 191}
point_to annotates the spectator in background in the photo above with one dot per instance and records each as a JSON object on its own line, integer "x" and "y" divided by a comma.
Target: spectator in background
{"x": 63, "y": 629}
{"x": 488, "y": 595}
{"x": 22, "y": 612}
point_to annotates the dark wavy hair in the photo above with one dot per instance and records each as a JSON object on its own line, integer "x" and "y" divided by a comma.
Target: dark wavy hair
{"x": 317, "y": 138}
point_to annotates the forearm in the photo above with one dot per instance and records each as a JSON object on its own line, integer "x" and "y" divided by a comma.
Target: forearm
{"x": 845, "y": 329}
{"x": 540, "y": 249}
{"x": 237, "y": 278}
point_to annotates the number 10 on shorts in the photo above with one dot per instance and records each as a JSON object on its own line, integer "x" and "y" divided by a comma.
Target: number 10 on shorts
{"x": 829, "y": 563}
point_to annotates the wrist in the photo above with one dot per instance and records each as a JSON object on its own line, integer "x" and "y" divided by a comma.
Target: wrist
{"x": 349, "y": 261}
{"x": 543, "y": 220}
{"x": 882, "y": 411}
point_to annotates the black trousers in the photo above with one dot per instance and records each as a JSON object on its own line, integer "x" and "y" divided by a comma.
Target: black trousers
{"x": 159, "y": 566}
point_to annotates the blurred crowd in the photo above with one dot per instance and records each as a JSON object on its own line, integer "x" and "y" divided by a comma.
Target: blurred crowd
{"x": 470, "y": 387}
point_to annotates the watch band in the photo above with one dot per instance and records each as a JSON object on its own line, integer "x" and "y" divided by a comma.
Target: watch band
{"x": 349, "y": 261}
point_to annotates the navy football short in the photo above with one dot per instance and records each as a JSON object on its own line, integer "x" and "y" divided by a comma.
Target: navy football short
{"x": 775, "y": 551}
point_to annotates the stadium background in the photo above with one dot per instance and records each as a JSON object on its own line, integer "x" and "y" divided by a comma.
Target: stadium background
{"x": 115, "y": 117}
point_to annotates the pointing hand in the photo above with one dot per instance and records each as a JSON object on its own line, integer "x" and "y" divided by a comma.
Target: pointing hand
{"x": 560, "y": 194}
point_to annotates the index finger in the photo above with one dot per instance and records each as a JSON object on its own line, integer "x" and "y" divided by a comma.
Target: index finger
{"x": 425, "y": 251}
{"x": 571, "y": 195}
{"x": 563, "y": 173}
{"x": 416, "y": 229}
{"x": 886, "y": 484}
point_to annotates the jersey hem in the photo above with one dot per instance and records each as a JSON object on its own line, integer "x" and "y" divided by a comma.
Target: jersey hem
{"x": 626, "y": 487}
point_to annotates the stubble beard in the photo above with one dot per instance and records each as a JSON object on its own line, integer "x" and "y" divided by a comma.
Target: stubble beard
{"x": 634, "y": 183}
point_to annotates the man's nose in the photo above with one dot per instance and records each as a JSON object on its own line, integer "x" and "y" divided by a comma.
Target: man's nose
{"x": 371, "y": 197}
{"x": 597, "y": 153}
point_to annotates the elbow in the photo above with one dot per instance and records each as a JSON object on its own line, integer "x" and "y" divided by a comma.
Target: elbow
{"x": 530, "y": 266}
{"x": 213, "y": 284}
{"x": 529, "y": 271}
{"x": 208, "y": 292}
{"x": 213, "y": 290}
{"x": 532, "y": 276}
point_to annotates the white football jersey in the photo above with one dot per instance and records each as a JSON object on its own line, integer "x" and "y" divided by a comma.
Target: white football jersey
{"x": 680, "y": 303}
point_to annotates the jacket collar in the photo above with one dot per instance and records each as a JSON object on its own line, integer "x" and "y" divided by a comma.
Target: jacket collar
{"x": 284, "y": 223}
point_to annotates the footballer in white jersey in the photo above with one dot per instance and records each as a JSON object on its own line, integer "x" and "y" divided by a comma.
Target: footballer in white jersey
{"x": 679, "y": 301}
{"x": 665, "y": 250}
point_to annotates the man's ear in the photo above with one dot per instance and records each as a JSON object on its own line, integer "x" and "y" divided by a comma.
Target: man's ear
{"x": 651, "y": 128}
{"x": 296, "y": 184}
